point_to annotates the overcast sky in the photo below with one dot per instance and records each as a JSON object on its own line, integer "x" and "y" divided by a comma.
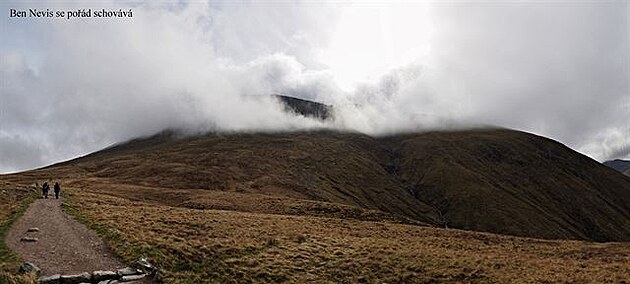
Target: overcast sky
{"x": 73, "y": 86}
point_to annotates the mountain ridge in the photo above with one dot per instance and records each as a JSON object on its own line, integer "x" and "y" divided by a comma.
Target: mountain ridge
{"x": 305, "y": 108}
{"x": 620, "y": 165}
{"x": 492, "y": 180}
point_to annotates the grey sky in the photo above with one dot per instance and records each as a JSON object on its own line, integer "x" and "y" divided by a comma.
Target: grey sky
{"x": 70, "y": 87}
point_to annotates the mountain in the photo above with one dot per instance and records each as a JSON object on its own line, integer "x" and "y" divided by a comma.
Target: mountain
{"x": 491, "y": 180}
{"x": 515, "y": 183}
{"x": 620, "y": 165}
{"x": 305, "y": 107}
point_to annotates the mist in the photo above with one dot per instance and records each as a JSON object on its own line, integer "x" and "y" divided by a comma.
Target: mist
{"x": 71, "y": 87}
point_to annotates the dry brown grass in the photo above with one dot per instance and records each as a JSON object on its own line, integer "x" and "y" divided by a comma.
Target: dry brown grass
{"x": 216, "y": 246}
{"x": 235, "y": 201}
{"x": 490, "y": 180}
{"x": 335, "y": 208}
{"x": 14, "y": 198}
{"x": 12, "y": 278}
{"x": 516, "y": 183}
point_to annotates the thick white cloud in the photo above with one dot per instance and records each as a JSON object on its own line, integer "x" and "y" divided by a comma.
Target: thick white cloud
{"x": 70, "y": 87}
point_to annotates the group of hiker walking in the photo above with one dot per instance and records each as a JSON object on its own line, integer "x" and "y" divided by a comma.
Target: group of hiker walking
{"x": 46, "y": 188}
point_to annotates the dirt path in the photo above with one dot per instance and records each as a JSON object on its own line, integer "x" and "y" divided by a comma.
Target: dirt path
{"x": 64, "y": 245}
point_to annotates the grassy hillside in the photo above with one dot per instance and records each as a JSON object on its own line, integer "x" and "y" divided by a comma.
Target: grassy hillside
{"x": 305, "y": 170}
{"x": 490, "y": 180}
{"x": 219, "y": 246}
{"x": 327, "y": 207}
{"x": 515, "y": 183}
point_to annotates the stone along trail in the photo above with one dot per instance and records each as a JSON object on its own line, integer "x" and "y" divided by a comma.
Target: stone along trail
{"x": 58, "y": 244}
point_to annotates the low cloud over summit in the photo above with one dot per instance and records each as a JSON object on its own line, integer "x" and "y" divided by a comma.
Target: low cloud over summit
{"x": 70, "y": 87}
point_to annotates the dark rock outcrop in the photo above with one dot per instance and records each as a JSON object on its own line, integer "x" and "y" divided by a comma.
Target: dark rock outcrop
{"x": 306, "y": 108}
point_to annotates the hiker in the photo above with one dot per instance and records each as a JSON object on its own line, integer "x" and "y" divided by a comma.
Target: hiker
{"x": 45, "y": 189}
{"x": 57, "y": 190}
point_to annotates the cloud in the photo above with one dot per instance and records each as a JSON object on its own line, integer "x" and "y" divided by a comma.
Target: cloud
{"x": 18, "y": 152}
{"x": 70, "y": 87}
{"x": 559, "y": 70}
{"x": 98, "y": 82}
{"x": 555, "y": 69}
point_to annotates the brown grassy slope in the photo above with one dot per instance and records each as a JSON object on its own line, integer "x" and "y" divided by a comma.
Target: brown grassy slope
{"x": 325, "y": 167}
{"x": 156, "y": 197}
{"x": 14, "y": 199}
{"x": 216, "y": 246}
{"x": 487, "y": 180}
{"x": 516, "y": 183}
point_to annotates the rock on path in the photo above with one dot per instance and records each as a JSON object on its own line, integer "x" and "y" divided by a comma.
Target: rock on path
{"x": 63, "y": 246}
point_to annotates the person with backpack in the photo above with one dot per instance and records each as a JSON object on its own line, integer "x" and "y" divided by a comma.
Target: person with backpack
{"x": 57, "y": 190}
{"x": 45, "y": 188}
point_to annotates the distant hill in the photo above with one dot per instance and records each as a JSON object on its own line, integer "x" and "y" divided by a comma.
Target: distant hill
{"x": 491, "y": 180}
{"x": 620, "y": 165}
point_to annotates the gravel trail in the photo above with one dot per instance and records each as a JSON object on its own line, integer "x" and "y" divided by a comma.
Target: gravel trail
{"x": 63, "y": 245}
